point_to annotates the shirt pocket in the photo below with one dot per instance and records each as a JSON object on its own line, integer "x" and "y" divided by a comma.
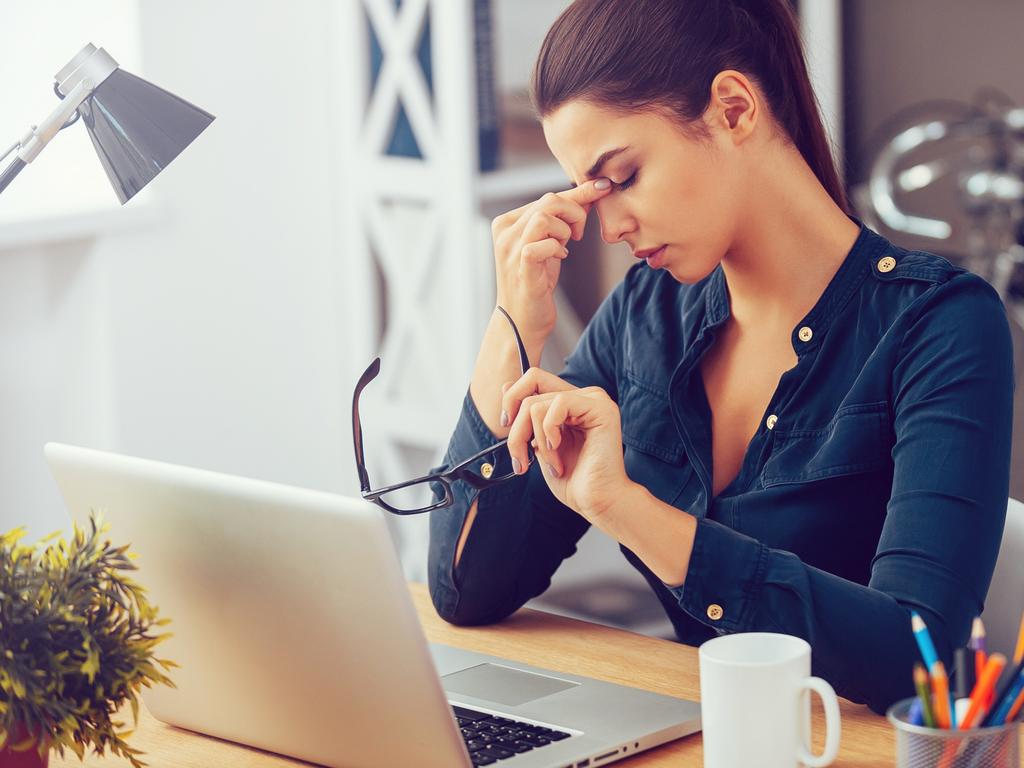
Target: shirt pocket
{"x": 856, "y": 441}
{"x": 653, "y": 453}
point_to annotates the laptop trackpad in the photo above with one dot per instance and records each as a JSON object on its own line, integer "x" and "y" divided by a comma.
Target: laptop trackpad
{"x": 503, "y": 685}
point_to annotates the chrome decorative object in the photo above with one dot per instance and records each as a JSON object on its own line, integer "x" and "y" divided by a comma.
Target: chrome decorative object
{"x": 980, "y": 148}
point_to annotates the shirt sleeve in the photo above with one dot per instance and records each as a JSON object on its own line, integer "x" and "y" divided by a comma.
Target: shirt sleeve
{"x": 521, "y": 532}
{"x": 952, "y": 390}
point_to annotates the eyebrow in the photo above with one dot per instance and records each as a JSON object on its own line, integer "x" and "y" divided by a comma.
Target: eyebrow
{"x": 595, "y": 169}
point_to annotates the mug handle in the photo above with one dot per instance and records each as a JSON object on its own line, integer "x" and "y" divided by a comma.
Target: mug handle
{"x": 832, "y": 725}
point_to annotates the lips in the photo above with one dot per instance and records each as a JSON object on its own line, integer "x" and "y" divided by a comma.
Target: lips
{"x": 655, "y": 257}
{"x": 647, "y": 252}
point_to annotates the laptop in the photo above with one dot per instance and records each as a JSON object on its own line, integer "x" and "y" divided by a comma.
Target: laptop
{"x": 296, "y": 634}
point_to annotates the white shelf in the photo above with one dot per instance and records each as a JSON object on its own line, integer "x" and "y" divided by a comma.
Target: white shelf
{"x": 530, "y": 180}
{"x": 412, "y": 178}
{"x": 77, "y": 225}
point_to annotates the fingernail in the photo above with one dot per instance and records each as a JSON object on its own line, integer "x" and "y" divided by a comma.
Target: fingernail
{"x": 504, "y": 418}
{"x": 550, "y": 448}
{"x": 553, "y": 471}
{"x": 516, "y": 466}
{"x": 602, "y": 184}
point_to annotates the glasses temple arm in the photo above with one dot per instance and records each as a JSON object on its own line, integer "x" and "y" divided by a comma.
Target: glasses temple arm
{"x": 524, "y": 359}
{"x": 357, "y": 432}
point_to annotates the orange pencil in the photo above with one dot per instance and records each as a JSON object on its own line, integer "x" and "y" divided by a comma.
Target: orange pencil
{"x": 983, "y": 689}
{"x": 940, "y": 694}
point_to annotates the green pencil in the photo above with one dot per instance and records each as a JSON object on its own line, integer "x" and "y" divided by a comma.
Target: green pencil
{"x": 924, "y": 692}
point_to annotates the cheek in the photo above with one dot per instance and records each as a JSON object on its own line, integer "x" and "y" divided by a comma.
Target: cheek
{"x": 689, "y": 209}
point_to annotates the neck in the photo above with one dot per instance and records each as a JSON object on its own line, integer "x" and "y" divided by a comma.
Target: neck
{"x": 791, "y": 243}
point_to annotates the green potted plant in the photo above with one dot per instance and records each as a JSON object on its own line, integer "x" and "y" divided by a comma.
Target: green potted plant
{"x": 76, "y": 645}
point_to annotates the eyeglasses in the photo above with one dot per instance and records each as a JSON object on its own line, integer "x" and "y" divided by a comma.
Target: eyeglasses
{"x": 406, "y": 498}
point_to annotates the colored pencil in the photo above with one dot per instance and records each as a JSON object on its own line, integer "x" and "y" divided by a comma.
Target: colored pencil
{"x": 983, "y": 689}
{"x": 1018, "y": 654}
{"x": 1015, "y": 709}
{"x": 916, "y": 714}
{"x": 940, "y": 692}
{"x": 977, "y": 643}
{"x": 921, "y": 683}
{"x": 1018, "y": 657}
{"x": 924, "y": 640}
{"x": 1006, "y": 698}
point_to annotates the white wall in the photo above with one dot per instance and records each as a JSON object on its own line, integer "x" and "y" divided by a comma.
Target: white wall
{"x": 49, "y": 33}
{"x": 213, "y": 336}
{"x": 520, "y": 26}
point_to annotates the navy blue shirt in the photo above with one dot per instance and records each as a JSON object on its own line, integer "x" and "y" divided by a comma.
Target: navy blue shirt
{"x": 876, "y": 483}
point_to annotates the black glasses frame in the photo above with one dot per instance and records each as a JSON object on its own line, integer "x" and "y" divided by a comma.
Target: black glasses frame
{"x": 464, "y": 470}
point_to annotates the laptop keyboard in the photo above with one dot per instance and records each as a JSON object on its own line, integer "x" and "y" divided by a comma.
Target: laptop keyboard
{"x": 490, "y": 738}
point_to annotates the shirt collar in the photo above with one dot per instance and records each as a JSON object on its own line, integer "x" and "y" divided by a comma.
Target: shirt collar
{"x": 847, "y": 279}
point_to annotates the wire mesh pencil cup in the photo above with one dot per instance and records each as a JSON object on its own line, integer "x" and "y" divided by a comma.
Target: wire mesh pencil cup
{"x": 921, "y": 747}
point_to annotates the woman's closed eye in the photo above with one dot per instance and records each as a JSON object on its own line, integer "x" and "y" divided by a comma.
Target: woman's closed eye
{"x": 622, "y": 185}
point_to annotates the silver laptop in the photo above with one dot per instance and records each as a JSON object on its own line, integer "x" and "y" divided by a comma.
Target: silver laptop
{"x": 296, "y": 633}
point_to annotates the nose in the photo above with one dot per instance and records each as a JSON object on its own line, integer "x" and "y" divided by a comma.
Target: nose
{"x": 616, "y": 223}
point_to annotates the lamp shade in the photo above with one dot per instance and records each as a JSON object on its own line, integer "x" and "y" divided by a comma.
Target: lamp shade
{"x": 138, "y": 128}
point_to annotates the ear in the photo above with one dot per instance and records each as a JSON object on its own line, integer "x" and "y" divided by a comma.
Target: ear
{"x": 735, "y": 105}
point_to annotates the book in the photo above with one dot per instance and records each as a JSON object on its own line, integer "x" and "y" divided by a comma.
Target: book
{"x": 402, "y": 141}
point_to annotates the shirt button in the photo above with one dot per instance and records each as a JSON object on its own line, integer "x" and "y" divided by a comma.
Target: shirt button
{"x": 887, "y": 264}
{"x": 487, "y": 470}
{"x": 715, "y": 612}
{"x": 805, "y": 334}
{"x": 771, "y": 421}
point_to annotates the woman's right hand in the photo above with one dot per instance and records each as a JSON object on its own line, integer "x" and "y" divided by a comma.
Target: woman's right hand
{"x": 529, "y": 245}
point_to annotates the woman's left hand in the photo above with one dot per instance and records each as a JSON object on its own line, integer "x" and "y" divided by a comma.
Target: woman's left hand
{"x": 576, "y": 435}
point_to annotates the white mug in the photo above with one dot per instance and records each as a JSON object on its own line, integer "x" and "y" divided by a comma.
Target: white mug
{"x": 756, "y": 705}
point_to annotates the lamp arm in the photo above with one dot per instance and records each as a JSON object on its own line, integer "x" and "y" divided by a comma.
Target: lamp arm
{"x": 37, "y": 138}
{"x": 8, "y": 173}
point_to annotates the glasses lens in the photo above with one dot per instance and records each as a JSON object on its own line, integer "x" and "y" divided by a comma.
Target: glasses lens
{"x": 412, "y": 497}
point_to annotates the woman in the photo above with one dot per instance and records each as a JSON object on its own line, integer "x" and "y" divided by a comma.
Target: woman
{"x": 788, "y": 423}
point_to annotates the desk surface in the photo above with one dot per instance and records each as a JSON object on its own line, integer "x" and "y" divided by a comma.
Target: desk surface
{"x": 543, "y": 640}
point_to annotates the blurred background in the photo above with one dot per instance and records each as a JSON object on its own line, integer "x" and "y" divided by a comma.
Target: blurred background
{"x": 339, "y": 208}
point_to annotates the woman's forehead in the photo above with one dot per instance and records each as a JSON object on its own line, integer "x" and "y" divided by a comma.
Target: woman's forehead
{"x": 578, "y": 133}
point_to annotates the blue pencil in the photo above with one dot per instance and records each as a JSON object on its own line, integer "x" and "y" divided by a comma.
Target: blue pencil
{"x": 924, "y": 640}
{"x": 1006, "y": 698}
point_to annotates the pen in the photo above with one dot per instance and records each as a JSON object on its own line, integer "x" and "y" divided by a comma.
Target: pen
{"x": 924, "y": 640}
{"x": 983, "y": 688}
{"x": 924, "y": 694}
{"x": 963, "y": 672}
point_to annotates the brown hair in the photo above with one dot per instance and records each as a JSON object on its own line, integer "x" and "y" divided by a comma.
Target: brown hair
{"x": 664, "y": 54}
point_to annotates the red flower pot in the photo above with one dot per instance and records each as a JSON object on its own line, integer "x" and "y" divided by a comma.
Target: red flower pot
{"x": 29, "y": 759}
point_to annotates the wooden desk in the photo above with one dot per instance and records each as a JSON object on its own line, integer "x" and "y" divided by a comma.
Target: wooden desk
{"x": 546, "y": 641}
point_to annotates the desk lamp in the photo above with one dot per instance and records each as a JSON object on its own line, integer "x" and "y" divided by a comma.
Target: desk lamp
{"x": 136, "y": 127}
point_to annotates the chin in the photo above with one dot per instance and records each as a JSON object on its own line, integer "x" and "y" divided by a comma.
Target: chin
{"x": 688, "y": 272}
